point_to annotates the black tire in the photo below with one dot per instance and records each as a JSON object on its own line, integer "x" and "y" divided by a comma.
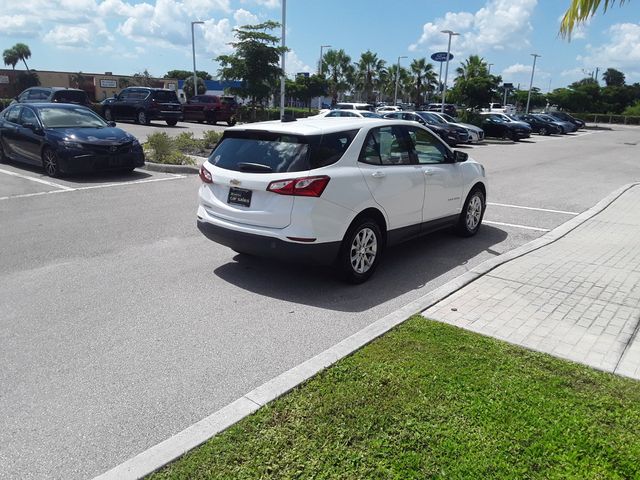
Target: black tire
{"x": 50, "y": 162}
{"x": 108, "y": 115}
{"x": 472, "y": 213}
{"x": 543, "y": 131}
{"x": 514, "y": 137}
{"x": 231, "y": 122}
{"x": 172, "y": 123}
{"x": 3, "y": 156}
{"x": 142, "y": 118}
{"x": 360, "y": 251}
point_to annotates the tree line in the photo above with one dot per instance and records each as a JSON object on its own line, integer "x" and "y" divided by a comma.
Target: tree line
{"x": 369, "y": 78}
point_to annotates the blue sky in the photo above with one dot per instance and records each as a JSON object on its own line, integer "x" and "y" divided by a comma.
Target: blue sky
{"x": 128, "y": 36}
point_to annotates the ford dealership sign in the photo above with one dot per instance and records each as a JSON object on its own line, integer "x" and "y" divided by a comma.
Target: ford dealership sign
{"x": 441, "y": 57}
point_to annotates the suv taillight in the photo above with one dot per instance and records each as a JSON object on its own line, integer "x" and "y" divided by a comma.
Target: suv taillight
{"x": 302, "y": 187}
{"x": 205, "y": 175}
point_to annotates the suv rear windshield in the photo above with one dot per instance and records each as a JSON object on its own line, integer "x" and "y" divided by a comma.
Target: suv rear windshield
{"x": 165, "y": 96}
{"x": 70, "y": 96}
{"x": 269, "y": 152}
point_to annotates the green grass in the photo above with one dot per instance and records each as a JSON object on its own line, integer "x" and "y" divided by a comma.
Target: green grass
{"x": 428, "y": 400}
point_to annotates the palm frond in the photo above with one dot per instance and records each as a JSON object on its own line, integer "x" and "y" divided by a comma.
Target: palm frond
{"x": 581, "y": 10}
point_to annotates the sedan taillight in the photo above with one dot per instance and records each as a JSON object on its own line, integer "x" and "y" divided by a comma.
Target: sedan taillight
{"x": 205, "y": 175}
{"x": 301, "y": 187}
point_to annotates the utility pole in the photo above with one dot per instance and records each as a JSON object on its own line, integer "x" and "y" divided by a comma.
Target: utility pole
{"x": 320, "y": 73}
{"x": 446, "y": 70}
{"x": 533, "y": 70}
{"x": 193, "y": 51}
{"x": 395, "y": 95}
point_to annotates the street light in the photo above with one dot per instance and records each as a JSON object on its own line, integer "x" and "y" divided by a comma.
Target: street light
{"x": 489, "y": 72}
{"x": 320, "y": 72}
{"x": 446, "y": 70}
{"x": 282, "y": 65}
{"x": 395, "y": 95}
{"x": 535, "y": 57}
{"x": 193, "y": 49}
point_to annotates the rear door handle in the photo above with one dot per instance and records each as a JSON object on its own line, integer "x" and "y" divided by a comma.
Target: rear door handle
{"x": 378, "y": 174}
{"x": 428, "y": 172}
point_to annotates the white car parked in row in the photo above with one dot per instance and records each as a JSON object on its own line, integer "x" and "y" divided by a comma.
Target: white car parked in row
{"x": 335, "y": 191}
{"x": 346, "y": 113}
{"x": 476, "y": 134}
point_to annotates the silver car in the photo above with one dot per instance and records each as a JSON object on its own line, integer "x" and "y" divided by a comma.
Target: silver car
{"x": 476, "y": 134}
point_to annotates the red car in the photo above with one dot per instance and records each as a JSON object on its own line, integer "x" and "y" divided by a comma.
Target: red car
{"x": 211, "y": 109}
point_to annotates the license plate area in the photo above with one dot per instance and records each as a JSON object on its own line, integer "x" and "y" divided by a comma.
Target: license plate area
{"x": 239, "y": 196}
{"x": 115, "y": 161}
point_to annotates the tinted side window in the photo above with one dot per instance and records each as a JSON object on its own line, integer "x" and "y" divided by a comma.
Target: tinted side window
{"x": 13, "y": 114}
{"x": 124, "y": 95}
{"x": 38, "y": 95}
{"x": 165, "y": 96}
{"x": 386, "y": 146}
{"x": 427, "y": 148}
{"x": 28, "y": 117}
{"x": 71, "y": 96}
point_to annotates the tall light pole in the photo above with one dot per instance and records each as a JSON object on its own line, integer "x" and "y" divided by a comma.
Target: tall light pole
{"x": 282, "y": 63}
{"x": 395, "y": 95}
{"x": 489, "y": 72}
{"x": 533, "y": 70}
{"x": 320, "y": 72}
{"x": 446, "y": 69}
{"x": 193, "y": 50}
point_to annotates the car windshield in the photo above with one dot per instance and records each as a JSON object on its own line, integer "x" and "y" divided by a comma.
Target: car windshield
{"x": 270, "y": 152}
{"x": 70, "y": 96}
{"x": 433, "y": 117}
{"x": 53, "y": 117}
{"x": 449, "y": 118}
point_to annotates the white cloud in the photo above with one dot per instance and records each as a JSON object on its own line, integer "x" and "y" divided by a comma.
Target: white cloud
{"x": 217, "y": 36}
{"x": 68, "y": 36}
{"x": 18, "y": 25}
{"x": 264, "y": 3}
{"x": 294, "y": 65}
{"x": 243, "y": 17}
{"x": 515, "y": 69}
{"x": 621, "y": 51}
{"x": 499, "y": 25}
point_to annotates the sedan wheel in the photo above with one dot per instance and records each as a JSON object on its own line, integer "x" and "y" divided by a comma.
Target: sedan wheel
{"x": 50, "y": 163}
{"x": 543, "y": 131}
{"x": 361, "y": 251}
{"x": 472, "y": 213}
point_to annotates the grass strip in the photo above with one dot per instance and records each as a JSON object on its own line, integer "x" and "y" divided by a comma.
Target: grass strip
{"x": 429, "y": 400}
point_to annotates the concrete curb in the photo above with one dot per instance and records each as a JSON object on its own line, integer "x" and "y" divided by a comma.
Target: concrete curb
{"x": 167, "y": 168}
{"x": 175, "y": 446}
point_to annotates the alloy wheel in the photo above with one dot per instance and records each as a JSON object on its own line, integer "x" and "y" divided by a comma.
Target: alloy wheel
{"x": 363, "y": 250}
{"x": 474, "y": 212}
{"x": 50, "y": 162}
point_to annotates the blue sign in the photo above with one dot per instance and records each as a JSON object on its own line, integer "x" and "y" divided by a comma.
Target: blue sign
{"x": 441, "y": 57}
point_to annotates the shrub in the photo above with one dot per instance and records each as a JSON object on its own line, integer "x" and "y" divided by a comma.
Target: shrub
{"x": 211, "y": 138}
{"x": 159, "y": 147}
{"x": 187, "y": 144}
{"x": 633, "y": 110}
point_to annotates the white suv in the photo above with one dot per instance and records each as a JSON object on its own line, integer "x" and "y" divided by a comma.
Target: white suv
{"x": 335, "y": 191}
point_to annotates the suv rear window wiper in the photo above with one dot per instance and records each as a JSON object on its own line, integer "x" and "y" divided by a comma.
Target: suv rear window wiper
{"x": 254, "y": 167}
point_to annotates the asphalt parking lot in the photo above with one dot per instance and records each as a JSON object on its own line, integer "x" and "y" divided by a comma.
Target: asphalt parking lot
{"x": 122, "y": 325}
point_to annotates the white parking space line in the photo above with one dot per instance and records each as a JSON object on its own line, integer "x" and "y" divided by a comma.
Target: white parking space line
{"x": 94, "y": 187}
{"x": 532, "y": 208}
{"x": 526, "y": 227}
{"x": 34, "y": 179}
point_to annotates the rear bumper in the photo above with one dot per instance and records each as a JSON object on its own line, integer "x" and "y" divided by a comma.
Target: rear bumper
{"x": 270, "y": 247}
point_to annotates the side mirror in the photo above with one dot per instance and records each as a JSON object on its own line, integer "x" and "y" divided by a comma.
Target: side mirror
{"x": 33, "y": 127}
{"x": 111, "y": 124}
{"x": 459, "y": 156}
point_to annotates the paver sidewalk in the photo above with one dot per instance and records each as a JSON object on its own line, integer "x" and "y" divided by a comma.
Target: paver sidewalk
{"x": 577, "y": 298}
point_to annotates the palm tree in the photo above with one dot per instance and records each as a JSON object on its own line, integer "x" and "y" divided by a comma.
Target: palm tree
{"x": 369, "y": 70}
{"x": 10, "y": 57}
{"x": 338, "y": 66}
{"x": 389, "y": 85}
{"x": 423, "y": 75}
{"x": 581, "y": 10}
{"x": 473, "y": 67}
{"x": 23, "y": 52}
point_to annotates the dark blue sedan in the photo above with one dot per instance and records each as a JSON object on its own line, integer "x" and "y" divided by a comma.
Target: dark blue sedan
{"x": 65, "y": 139}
